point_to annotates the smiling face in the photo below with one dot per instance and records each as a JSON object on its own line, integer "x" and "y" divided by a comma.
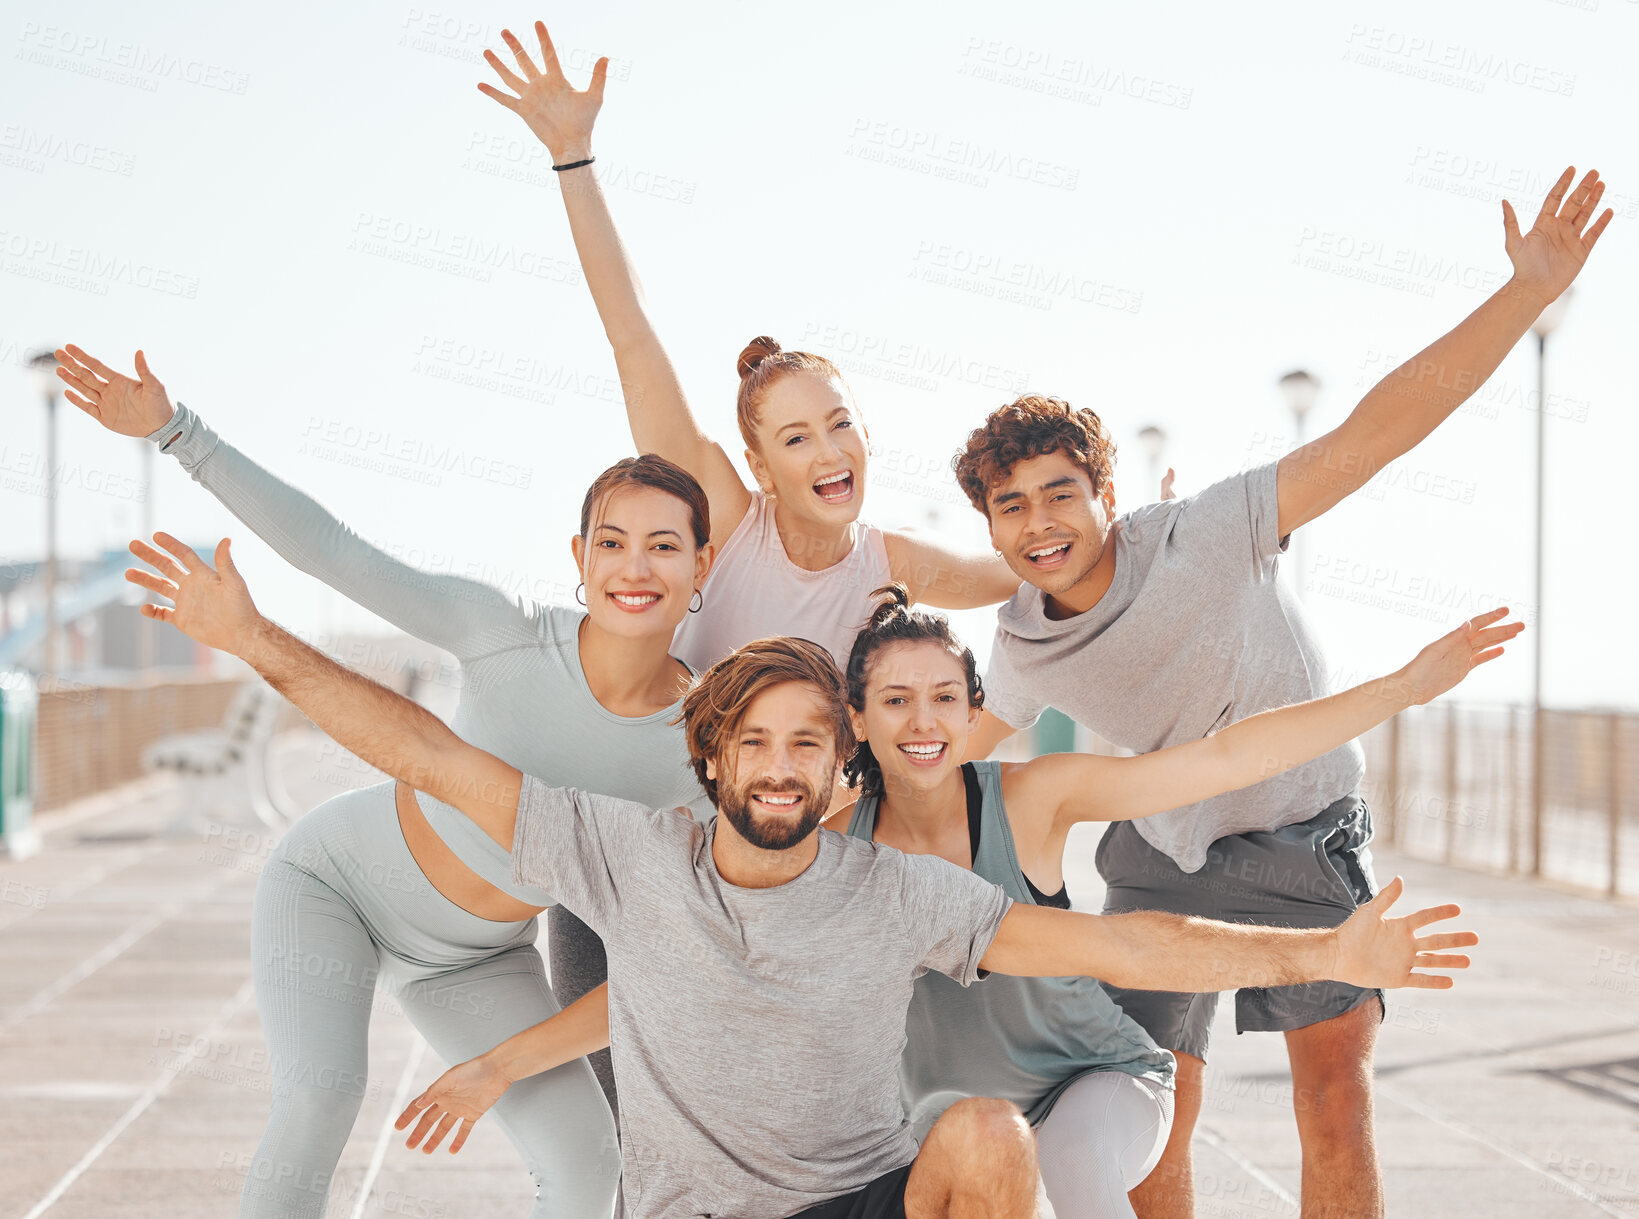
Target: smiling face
{"x": 810, "y": 450}
{"x": 775, "y": 774}
{"x": 1050, "y": 525}
{"x": 917, "y": 714}
{"x": 639, "y": 562}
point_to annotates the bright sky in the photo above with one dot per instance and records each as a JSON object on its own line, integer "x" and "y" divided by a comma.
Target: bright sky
{"x": 357, "y": 267}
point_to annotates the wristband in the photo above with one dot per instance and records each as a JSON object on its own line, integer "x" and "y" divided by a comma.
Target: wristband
{"x": 573, "y": 164}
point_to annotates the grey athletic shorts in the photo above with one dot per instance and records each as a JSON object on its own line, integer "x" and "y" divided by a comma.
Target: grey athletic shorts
{"x": 1312, "y": 874}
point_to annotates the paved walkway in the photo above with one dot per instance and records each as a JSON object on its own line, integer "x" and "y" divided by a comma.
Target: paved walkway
{"x": 134, "y": 1078}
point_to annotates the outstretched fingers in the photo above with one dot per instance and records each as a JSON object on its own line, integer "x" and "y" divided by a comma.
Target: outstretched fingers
{"x": 1578, "y": 198}
{"x": 1592, "y": 235}
{"x": 1492, "y": 636}
{"x": 1435, "y": 960}
{"x": 531, "y": 72}
{"x": 549, "y": 53}
{"x": 160, "y": 561}
{"x": 153, "y": 583}
{"x": 510, "y": 78}
{"x": 1550, "y": 205}
{"x": 81, "y": 356}
{"x": 410, "y": 1110}
{"x": 1430, "y": 981}
{"x": 443, "y": 1128}
{"x": 460, "y": 1140}
{"x": 183, "y": 552}
{"x": 81, "y": 387}
{"x": 1446, "y": 939}
{"x": 1387, "y": 895}
{"x": 428, "y": 1120}
{"x": 1587, "y": 207}
{"x": 1431, "y": 914}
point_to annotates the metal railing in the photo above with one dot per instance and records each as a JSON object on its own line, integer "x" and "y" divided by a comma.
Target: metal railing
{"x": 1454, "y": 782}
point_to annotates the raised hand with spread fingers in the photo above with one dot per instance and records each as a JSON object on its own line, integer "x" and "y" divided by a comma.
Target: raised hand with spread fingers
{"x": 557, "y": 112}
{"x": 131, "y": 407}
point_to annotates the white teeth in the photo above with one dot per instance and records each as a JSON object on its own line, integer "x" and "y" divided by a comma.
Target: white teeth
{"x": 1038, "y": 554}
{"x": 833, "y": 478}
{"x": 636, "y": 598}
{"x": 778, "y": 799}
{"x": 924, "y": 751}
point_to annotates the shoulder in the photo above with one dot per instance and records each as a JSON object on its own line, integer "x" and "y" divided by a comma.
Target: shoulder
{"x": 1029, "y": 791}
{"x": 841, "y": 820}
{"x": 559, "y": 623}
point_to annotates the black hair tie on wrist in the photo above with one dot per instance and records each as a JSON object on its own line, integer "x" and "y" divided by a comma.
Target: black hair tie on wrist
{"x": 574, "y": 164}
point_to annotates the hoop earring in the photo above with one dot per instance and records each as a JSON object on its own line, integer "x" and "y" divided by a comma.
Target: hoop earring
{"x": 693, "y": 608}
{"x": 579, "y": 599}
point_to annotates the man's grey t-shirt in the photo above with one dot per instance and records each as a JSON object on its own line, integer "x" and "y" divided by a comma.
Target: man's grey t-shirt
{"x": 755, "y": 1033}
{"x": 1194, "y": 633}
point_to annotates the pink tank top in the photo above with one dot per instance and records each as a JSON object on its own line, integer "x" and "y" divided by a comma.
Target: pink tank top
{"x": 755, "y": 590}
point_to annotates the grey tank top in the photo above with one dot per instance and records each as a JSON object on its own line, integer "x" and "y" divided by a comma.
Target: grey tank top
{"x": 1023, "y": 1039}
{"x": 524, "y": 696}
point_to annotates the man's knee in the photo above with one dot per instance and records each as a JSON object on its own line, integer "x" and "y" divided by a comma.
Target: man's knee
{"x": 981, "y": 1150}
{"x": 984, "y": 1126}
{"x": 1332, "y": 1071}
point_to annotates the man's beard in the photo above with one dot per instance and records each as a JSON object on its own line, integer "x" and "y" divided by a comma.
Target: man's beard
{"x": 735, "y": 804}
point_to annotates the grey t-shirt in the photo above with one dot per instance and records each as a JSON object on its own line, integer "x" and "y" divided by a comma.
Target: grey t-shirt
{"x": 755, "y": 1033}
{"x": 1194, "y": 633}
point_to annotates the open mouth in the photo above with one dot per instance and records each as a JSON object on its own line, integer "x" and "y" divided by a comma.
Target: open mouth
{"x": 924, "y": 753}
{"x": 635, "y": 603}
{"x": 835, "y": 488}
{"x": 1046, "y": 557}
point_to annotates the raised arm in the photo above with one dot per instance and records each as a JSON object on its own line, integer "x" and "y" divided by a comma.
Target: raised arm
{"x": 1150, "y": 950}
{"x": 1410, "y": 402}
{"x": 465, "y": 1092}
{"x": 938, "y": 574}
{"x": 462, "y": 616}
{"x": 1084, "y": 787}
{"x": 562, "y": 118}
{"x": 385, "y": 729}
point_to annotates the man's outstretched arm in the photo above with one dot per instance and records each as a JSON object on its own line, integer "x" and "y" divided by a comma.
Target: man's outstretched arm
{"x": 1150, "y": 950}
{"x": 385, "y": 729}
{"x": 1410, "y": 402}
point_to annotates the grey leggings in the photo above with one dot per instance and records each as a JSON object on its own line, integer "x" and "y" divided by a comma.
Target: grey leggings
{"x": 342, "y": 904}
{"x": 1102, "y": 1137}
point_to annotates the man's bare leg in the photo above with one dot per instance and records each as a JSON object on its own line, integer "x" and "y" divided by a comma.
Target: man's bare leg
{"x": 979, "y": 1160}
{"x": 1169, "y": 1191}
{"x": 1332, "y": 1094}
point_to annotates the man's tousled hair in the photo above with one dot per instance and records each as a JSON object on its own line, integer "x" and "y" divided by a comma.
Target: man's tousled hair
{"x": 1032, "y": 426}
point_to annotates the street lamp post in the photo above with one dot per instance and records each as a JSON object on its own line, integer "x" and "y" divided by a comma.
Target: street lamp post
{"x": 1154, "y": 441}
{"x": 1545, "y": 325}
{"x": 44, "y": 366}
{"x": 1301, "y": 390}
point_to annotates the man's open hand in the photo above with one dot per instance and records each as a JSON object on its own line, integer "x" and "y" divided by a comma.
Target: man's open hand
{"x": 1374, "y": 950}
{"x": 212, "y": 607}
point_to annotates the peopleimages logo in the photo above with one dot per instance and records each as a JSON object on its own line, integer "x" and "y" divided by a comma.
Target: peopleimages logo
{"x": 128, "y": 63}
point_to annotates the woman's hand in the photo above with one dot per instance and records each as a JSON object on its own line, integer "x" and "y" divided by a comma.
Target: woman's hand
{"x": 1549, "y": 257}
{"x": 1452, "y": 657}
{"x": 131, "y": 408}
{"x": 212, "y": 607}
{"x": 559, "y": 114}
{"x": 463, "y": 1094}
